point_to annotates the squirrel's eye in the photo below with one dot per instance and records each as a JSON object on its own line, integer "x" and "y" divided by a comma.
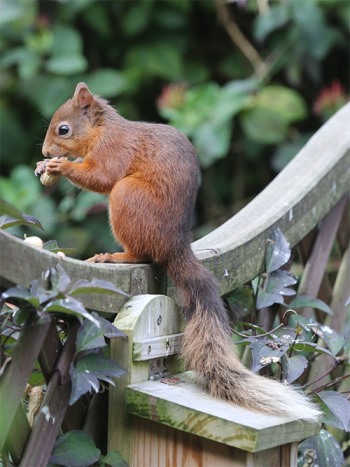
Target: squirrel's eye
{"x": 63, "y": 130}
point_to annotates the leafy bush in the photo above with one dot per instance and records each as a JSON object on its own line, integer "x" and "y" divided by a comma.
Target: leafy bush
{"x": 292, "y": 349}
{"x": 55, "y": 294}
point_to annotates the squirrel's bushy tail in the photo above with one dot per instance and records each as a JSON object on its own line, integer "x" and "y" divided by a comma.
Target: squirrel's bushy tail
{"x": 208, "y": 350}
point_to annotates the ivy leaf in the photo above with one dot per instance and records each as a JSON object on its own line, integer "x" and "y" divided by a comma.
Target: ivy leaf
{"x": 76, "y": 449}
{"x": 275, "y": 17}
{"x": 7, "y": 221}
{"x": 107, "y": 82}
{"x": 87, "y": 372}
{"x": 82, "y": 382}
{"x": 266, "y": 351}
{"x": 59, "y": 278}
{"x": 277, "y": 252}
{"x": 20, "y": 293}
{"x": 95, "y": 286}
{"x": 114, "y": 459}
{"x": 311, "y": 347}
{"x": 108, "y": 329}
{"x": 333, "y": 340}
{"x": 323, "y": 449}
{"x": 293, "y": 367}
{"x": 286, "y": 102}
{"x": 302, "y": 301}
{"x": 263, "y": 125}
{"x": 70, "y": 306}
{"x": 266, "y": 299}
{"x": 89, "y": 337}
{"x": 339, "y": 406}
{"x": 241, "y": 301}
{"x": 276, "y": 285}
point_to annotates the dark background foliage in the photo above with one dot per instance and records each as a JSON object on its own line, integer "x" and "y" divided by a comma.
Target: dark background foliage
{"x": 248, "y": 81}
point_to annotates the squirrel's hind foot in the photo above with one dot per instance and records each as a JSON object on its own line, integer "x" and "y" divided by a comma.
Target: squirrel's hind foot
{"x": 122, "y": 257}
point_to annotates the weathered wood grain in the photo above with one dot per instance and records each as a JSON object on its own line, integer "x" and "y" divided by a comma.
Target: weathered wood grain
{"x": 157, "y": 347}
{"x": 185, "y": 407}
{"x": 141, "y": 318}
{"x": 21, "y": 264}
{"x": 182, "y": 406}
{"x": 157, "y": 445}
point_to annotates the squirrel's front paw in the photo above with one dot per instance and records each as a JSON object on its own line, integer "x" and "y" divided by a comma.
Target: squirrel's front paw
{"x": 55, "y": 166}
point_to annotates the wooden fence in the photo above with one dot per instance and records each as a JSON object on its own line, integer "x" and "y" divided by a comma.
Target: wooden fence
{"x": 151, "y": 421}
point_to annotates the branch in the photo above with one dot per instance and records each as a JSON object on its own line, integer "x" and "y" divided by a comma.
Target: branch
{"x": 239, "y": 39}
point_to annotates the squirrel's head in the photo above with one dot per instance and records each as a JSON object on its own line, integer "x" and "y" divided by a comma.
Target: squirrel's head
{"x": 74, "y": 125}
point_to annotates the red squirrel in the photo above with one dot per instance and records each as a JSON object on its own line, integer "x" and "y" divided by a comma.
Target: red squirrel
{"x": 150, "y": 173}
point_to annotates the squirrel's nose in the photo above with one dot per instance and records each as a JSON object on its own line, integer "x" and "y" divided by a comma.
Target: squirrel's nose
{"x": 45, "y": 151}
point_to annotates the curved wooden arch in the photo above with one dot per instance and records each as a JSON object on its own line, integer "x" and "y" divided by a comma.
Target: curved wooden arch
{"x": 295, "y": 201}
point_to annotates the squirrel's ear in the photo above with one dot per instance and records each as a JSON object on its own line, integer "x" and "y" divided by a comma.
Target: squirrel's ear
{"x": 83, "y": 95}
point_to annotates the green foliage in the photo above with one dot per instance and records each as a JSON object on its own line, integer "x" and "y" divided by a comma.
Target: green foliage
{"x": 289, "y": 350}
{"x": 76, "y": 449}
{"x": 322, "y": 449}
{"x": 90, "y": 366}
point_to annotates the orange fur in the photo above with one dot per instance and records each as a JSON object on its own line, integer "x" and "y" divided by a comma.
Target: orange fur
{"x": 151, "y": 173}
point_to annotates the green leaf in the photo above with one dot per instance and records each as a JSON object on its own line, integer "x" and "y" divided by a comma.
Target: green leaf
{"x": 107, "y": 82}
{"x": 310, "y": 347}
{"x": 156, "y": 59}
{"x": 84, "y": 203}
{"x": 314, "y": 33}
{"x": 275, "y": 17}
{"x": 9, "y": 214}
{"x": 76, "y": 449}
{"x": 323, "y": 449}
{"x": 60, "y": 280}
{"x": 114, "y": 459}
{"x": 333, "y": 340}
{"x": 108, "y": 329}
{"x": 277, "y": 252}
{"x": 89, "y": 337}
{"x": 51, "y": 245}
{"x": 67, "y": 40}
{"x": 293, "y": 367}
{"x": 212, "y": 141}
{"x": 303, "y": 301}
{"x": 266, "y": 351}
{"x": 286, "y": 102}
{"x": 21, "y": 293}
{"x": 263, "y": 125}
{"x": 83, "y": 381}
{"x": 69, "y": 306}
{"x": 241, "y": 301}
{"x": 275, "y": 287}
{"x": 6, "y": 222}
{"x": 67, "y": 64}
{"x": 39, "y": 290}
{"x": 338, "y": 405}
{"x": 47, "y": 92}
{"x": 87, "y": 372}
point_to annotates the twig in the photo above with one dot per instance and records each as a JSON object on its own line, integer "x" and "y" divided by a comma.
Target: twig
{"x": 330, "y": 384}
{"x": 239, "y": 39}
{"x": 260, "y": 335}
{"x": 336, "y": 362}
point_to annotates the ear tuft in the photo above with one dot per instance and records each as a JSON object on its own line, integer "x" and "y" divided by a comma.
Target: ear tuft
{"x": 83, "y": 95}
